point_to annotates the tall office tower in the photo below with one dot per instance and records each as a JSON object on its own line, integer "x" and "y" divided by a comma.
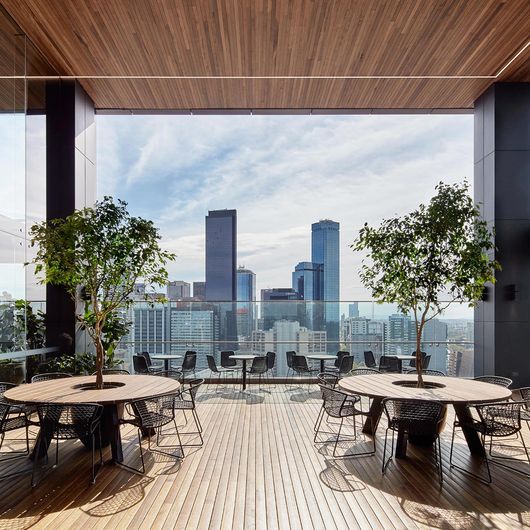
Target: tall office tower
{"x": 400, "y": 335}
{"x": 246, "y": 298}
{"x": 178, "y": 290}
{"x": 353, "y": 310}
{"x": 307, "y": 280}
{"x": 150, "y": 327}
{"x": 325, "y": 250}
{"x": 199, "y": 290}
{"x": 221, "y": 285}
{"x": 278, "y": 304}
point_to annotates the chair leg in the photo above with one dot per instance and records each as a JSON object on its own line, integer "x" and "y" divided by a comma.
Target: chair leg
{"x": 338, "y": 436}
{"x": 463, "y": 470}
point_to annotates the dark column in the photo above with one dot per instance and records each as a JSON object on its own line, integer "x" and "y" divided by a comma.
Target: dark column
{"x": 70, "y": 180}
{"x": 502, "y": 185}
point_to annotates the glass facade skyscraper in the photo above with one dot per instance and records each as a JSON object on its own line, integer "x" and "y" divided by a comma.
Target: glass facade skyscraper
{"x": 325, "y": 241}
{"x": 246, "y": 297}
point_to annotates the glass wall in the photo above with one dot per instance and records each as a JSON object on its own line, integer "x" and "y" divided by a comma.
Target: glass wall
{"x": 172, "y": 328}
{"x": 22, "y": 187}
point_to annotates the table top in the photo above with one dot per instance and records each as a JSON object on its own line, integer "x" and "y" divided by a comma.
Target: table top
{"x": 243, "y": 357}
{"x": 169, "y": 356}
{"x": 322, "y": 357}
{"x": 455, "y": 390}
{"x": 401, "y": 357}
{"x": 68, "y": 390}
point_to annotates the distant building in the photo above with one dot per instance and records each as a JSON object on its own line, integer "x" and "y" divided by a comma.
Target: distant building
{"x": 288, "y": 335}
{"x": 178, "y": 290}
{"x": 307, "y": 281}
{"x": 361, "y": 334}
{"x": 353, "y": 310}
{"x": 325, "y": 249}
{"x": 199, "y": 290}
{"x": 400, "y": 335}
{"x": 278, "y": 303}
{"x": 434, "y": 340}
{"x": 150, "y": 327}
{"x": 221, "y": 254}
{"x": 246, "y": 302}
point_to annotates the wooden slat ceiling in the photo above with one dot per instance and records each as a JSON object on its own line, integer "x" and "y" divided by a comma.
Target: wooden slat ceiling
{"x": 281, "y": 38}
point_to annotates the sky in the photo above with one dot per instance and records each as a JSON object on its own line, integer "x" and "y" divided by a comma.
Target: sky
{"x": 281, "y": 173}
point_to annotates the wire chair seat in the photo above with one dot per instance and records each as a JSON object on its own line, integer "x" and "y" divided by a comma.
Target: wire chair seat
{"x": 414, "y": 416}
{"x": 49, "y": 376}
{"x": 364, "y": 371}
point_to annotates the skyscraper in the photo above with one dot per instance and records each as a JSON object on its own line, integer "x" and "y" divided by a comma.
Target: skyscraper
{"x": 178, "y": 290}
{"x": 199, "y": 290}
{"x": 325, "y": 250}
{"x": 278, "y": 303}
{"x": 246, "y": 298}
{"x": 221, "y": 285}
{"x": 221, "y": 255}
{"x": 353, "y": 310}
{"x": 307, "y": 281}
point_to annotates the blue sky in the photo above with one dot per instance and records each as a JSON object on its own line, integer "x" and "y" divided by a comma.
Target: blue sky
{"x": 281, "y": 173}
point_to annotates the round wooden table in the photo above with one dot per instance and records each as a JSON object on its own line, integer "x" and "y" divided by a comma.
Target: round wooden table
{"x": 73, "y": 390}
{"x": 244, "y": 358}
{"x": 166, "y": 358}
{"x": 322, "y": 358}
{"x": 455, "y": 391}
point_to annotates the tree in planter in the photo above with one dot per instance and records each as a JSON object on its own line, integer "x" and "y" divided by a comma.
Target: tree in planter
{"x": 430, "y": 258}
{"x": 103, "y": 251}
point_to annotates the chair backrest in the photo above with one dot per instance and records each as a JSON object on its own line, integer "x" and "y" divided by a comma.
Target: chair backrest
{"x": 68, "y": 420}
{"x": 500, "y": 419}
{"x": 340, "y": 356}
{"x": 426, "y": 362}
{"x": 328, "y": 379}
{"x": 334, "y": 400}
{"x": 226, "y": 362}
{"x": 428, "y": 372}
{"x": 212, "y": 364}
{"x": 365, "y": 371}
{"x": 412, "y": 363}
{"x": 369, "y": 359}
{"x": 190, "y": 361}
{"x": 271, "y": 359}
{"x": 114, "y": 371}
{"x": 259, "y": 365}
{"x": 494, "y": 380}
{"x": 193, "y": 388}
{"x": 154, "y": 412}
{"x": 4, "y": 386}
{"x": 346, "y": 364}
{"x": 290, "y": 355}
{"x": 46, "y": 377}
{"x": 147, "y": 357}
{"x": 140, "y": 364}
{"x": 388, "y": 364}
{"x": 417, "y": 416}
{"x": 525, "y": 396}
{"x": 300, "y": 363}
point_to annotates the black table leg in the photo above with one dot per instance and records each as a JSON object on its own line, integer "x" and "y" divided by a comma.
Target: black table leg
{"x": 110, "y": 430}
{"x": 472, "y": 438}
{"x": 166, "y": 364}
{"x": 244, "y": 374}
{"x": 322, "y": 366}
{"x": 374, "y": 415}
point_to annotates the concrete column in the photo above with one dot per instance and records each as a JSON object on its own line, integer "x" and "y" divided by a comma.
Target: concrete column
{"x": 502, "y": 186}
{"x": 70, "y": 180}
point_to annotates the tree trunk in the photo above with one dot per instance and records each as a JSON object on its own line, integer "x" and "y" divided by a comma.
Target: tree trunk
{"x": 100, "y": 357}
{"x": 419, "y": 357}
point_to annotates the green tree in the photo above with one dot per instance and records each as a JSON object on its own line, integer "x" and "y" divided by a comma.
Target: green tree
{"x": 102, "y": 251}
{"x": 430, "y": 258}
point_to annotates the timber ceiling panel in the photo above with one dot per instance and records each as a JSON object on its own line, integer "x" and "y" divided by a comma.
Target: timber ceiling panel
{"x": 271, "y": 38}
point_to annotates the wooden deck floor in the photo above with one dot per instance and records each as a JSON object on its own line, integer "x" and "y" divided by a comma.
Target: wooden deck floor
{"x": 260, "y": 469}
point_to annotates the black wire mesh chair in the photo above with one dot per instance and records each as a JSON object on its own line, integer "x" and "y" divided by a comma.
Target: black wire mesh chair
{"x": 494, "y": 380}
{"x": 524, "y": 393}
{"x": 340, "y": 405}
{"x": 217, "y": 371}
{"x": 428, "y": 372}
{"x": 418, "y": 417}
{"x": 330, "y": 380}
{"x": 258, "y": 368}
{"x": 68, "y": 421}
{"x": 369, "y": 359}
{"x": 49, "y": 376}
{"x": 496, "y": 420}
{"x": 154, "y": 367}
{"x": 389, "y": 364}
{"x": 186, "y": 400}
{"x": 189, "y": 363}
{"x": 4, "y": 387}
{"x": 149, "y": 415}
{"x": 13, "y": 417}
{"x": 365, "y": 371}
{"x": 114, "y": 371}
